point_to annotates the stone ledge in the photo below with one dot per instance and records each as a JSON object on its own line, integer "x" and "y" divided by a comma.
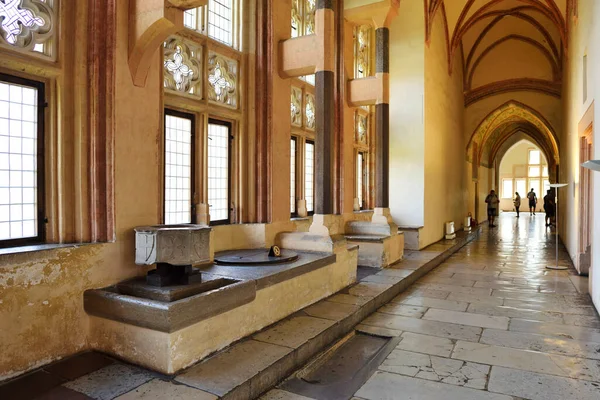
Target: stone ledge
{"x": 308, "y": 332}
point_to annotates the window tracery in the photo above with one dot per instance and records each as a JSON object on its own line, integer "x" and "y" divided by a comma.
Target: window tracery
{"x": 222, "y": 79}
{"x": 361, "y": 128}
{"x": 309, "y": 17}
{"x": 27, "y": 24}
{"x": 309, "y": 112}
{"x": 182, "y": 67}
{"x": 362, "y": 51}
{"x": 296, "y": 106}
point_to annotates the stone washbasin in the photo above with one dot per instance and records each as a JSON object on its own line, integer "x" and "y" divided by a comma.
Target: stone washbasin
{"x": 174, "y": 249}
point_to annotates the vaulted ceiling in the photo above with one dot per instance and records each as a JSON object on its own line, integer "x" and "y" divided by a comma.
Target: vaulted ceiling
{"x": 505, "y": 45}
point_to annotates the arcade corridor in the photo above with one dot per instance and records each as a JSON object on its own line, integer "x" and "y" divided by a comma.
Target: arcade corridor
{"x": 491, "y": 319}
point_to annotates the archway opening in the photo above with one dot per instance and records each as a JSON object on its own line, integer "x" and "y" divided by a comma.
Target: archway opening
{"x": 521, "y": 168}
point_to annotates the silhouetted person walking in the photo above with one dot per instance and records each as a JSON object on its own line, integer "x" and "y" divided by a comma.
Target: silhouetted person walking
{"x": 532, "y": 202}
{"x": 517, "y": 203}
{"x": 492, "y": 201}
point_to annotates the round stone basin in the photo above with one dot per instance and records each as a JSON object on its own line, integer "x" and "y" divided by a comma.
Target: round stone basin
{"x": 254, "y": 257}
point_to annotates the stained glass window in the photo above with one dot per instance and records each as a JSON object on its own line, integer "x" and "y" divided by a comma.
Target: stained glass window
{"x": 309, "y": 176}
{"x": 20, "y": 166}
{"x": 178, "y": 167}
{"x": 218, "y": 171}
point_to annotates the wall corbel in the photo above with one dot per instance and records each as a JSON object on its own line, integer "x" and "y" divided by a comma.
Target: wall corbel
{"x": 306, "y": 55}
{"x": 151, "y": 22}
{"x": 369, "y": 91}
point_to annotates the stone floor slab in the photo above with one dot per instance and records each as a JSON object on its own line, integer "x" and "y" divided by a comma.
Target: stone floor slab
{"x": 348, "y": 299}
{"x": 110, "y": 382}
{"x": 434, "y": 328}
{"x": 447, "y": 281}
{"x": 227, "y": 370}
{"x": 432, "y": 345}
{"x": 277, "y": 394}
{"x": 464, "y": 318}
{"x": 556, "y": 330}
{"x": 535, "y": 386}
{"x": 330, "y": 310}
{"x": 294, "y": 332}
{"x": 437, "y": 369}
{"x": 388, "y": 386}
{"x": 368, "y": 289}
{"x": 416, "y": 291}
{"x": 468, "y": 298}
{"x": 157, "y": 389}
{"x": 514, "y": 312}
{"x": 536, "y": 342}
{"x": 456, "y": 289}
{"x": 403, "y": 309}
{"x": 572, "y": 367}
{"x": 434, "y": 303}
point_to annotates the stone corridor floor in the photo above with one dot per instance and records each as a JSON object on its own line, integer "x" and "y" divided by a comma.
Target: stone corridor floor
{"x": 490, "y": 323}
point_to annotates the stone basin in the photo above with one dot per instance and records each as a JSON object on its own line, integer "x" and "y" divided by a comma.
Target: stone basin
{"x": 186, "y": 244}
{"x": 168, "y": 309}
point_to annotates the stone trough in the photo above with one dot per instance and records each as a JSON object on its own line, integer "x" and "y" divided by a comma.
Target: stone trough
{"x": 174, "y": 318}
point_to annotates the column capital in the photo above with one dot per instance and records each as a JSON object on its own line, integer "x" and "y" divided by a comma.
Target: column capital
{"x": 378, "y": 13}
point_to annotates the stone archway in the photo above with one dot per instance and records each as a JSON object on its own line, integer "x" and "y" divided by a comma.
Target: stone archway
{"x": 501, "y": 128}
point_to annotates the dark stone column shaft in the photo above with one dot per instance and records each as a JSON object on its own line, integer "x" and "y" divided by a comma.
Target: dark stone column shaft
{"x": 324, "y": 141}
{"x": 382, "y": 155}
{"x": 324, "y": 133}
{"x": 382, "y": 123}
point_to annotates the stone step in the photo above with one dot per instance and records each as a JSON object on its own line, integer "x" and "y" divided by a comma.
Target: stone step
{"x": 256, "y": 364}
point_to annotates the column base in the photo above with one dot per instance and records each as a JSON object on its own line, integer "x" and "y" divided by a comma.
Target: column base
{"x": 327, "y": 225}
{"x": 382, "y": 216}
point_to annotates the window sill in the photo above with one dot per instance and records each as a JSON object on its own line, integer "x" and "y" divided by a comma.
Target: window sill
{"x": 300, "y": 219}
{"x": 363, "y": 211}
{"x": 39, "y": 247}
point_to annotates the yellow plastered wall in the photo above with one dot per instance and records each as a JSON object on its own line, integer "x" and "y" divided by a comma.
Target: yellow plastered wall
{"x": 446, "y": 192}
{"x": 41, "y": 294}
{"x": 407, "y": 151}
{"x": 584, "y": 40}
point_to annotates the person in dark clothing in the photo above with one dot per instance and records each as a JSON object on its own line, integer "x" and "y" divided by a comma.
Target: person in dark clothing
{"x": 492, "y": 201}
{"x": 549, "y": 207}
{"x": 532, "y": 201}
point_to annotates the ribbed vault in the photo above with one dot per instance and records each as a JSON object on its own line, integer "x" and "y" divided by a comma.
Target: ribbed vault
{"x": 505, "y": 45}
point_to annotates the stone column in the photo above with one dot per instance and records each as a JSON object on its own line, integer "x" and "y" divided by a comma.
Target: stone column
{"x": 382, "y": 119}
{"x": 381, "y": 213}
{"x": 324, "y": 112}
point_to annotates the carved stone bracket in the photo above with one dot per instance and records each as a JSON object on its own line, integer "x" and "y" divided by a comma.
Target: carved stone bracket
{"x": 151, "y": 23}
{"x": 369, "y": 91}
{"x": 306, "y": 55}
